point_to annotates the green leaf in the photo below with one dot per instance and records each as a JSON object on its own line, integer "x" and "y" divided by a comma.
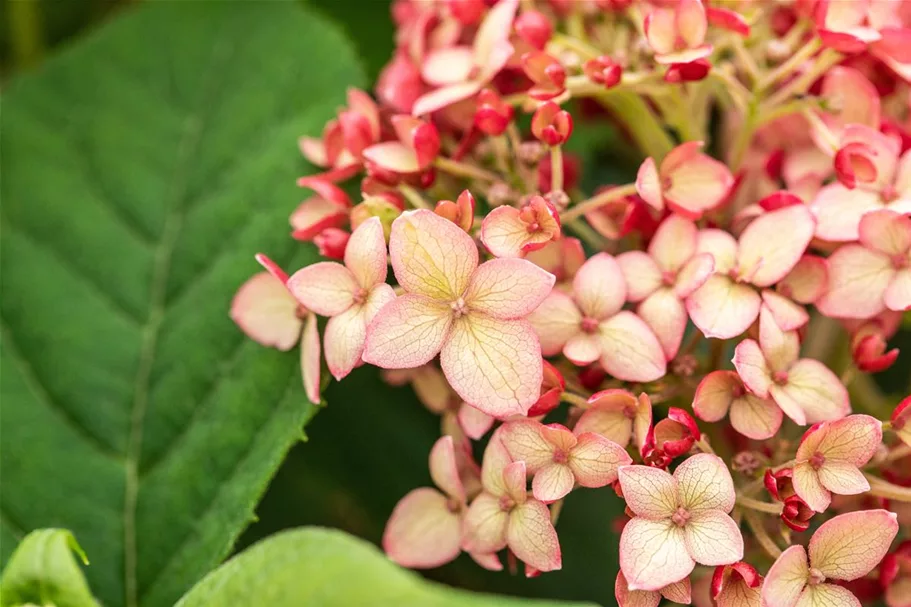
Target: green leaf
{"x": 325, "y": 567}
{"x": 141, "y": 170}
{"x": 43, "y": 571}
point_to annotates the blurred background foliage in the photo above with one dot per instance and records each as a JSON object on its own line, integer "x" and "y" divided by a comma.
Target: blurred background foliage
{"x": 362, "y": 455}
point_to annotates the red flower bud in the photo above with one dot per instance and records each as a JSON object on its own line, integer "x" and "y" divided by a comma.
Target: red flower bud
{"x": 603, "y": 70}
{"x": 552, "y": 388}
{"x": 854, "y": 164}
{"x": 493, "y": 114}
{"x": 687, "y": 72}
{"x": 901, "y": 416}
{"x": 778, "y": 484}
{"x": 399, "y": 84}
{"x": 546, "y": 72}
{"x": 728, "y": 574}
{"x": 728, "y": 19}
{"x": 534, "y": 28}
{"x": 460, "y": 212}
{"x": 675, "y": 435}
{"x": 796, "y": 514}
{"x": 551, "y": 125}
{"x": 868, "y": 349}
{"x": 466, "y": 12}
{"x": 331, "y": 243}
{"x": 778, "y": 200}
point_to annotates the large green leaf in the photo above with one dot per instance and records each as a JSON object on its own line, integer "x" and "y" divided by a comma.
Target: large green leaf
{"x": 327, "y": 568}
{"x": 141, "y": 169}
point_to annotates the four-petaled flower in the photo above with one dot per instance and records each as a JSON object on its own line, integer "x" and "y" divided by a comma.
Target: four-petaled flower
{"x": 721, "y": 392}
{"x": 687, "y": 182}
{"x": 677, "y": 35}
{"x": 618, "y": 416}
{"x": 511, "y": 232}
{"x": 473, "y": 316}
{"x": 679, "y": 521}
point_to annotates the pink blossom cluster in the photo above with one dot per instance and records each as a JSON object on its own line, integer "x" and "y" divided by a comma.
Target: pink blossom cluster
{"x": 700, "y": 339}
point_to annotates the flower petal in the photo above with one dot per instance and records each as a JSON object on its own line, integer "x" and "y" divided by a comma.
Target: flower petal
{"x": 583, "y": 349}
{"x": 808, "y": 488}
{"x": 493, "y": 364}
{"x": 310, "y": 364}
{"x": 504, "y": 233}
{"x": 443, "y": 97}
{"x": 599, "y": 287}
{"x": 786, "y": 579}
{"x": 344, "y": 341}
{"x": 407, "y": 333}
{"x": 648, "y": 184}
{"x": 431, "y": 256}
{"x": 764, "y": 257}
{"x": 634, "y": 598}
{"x": 722, "y": 308}
{"x": 629, "y": 349}
{"x": 850, "y": 545}
{"x": 552, "y": 482}
{"x": 853, "y": 439}
{"x": 704, "y": 483}
{"x": 691, "y": 22}
{"x": 594, "y": 460}
{"x": 526, "y": 442}
{"x": 326, "y": 288}
{"x": 694, "y": 274}
{"x": 807, "y": 281}
{"x": 721, "y": 246}
{"x": 365, "y": 254}
{"x": 607, "y": 416}
{"x": 788, "y": 315}
{"x": 781, "y": 348}
{"x": 484, "y": 527}
{"x": 508, "y": 288}
{"x": 898, "y": 294}
{"x": 422, "y": 533}
{"x": 495, "y": 28}
{"x": 713, "y": 538}
{"x": 752, "y": 367}
{"x": 858, "y": 279}
{"x": 843, "y": 478}
{"x": 754, "y": 417}
{"x": 556, "y": 321}
{"x": 665, "y": 314}
{"x": 674, "y": 243}
{"x": 532, "y": 537}
{"x": 838, "y": 211}
{"x": 641, "y": 274}
{"x": 815, "y": 390}
{"x": 266, "y": 312}
{"x": 825, "y": 595}
{"x": 496, "y": 459}
{"x": 699, "y": 184}
{"x": 393, "y": 156}
{"x": 649, "y": 492}
{"x": 448, "y": 65}
{"x": 474, "y": 422}
{"x": 444, "y": 469}
{"x": 653, "y": 554}
{"x": 715, "y": 394}
{"x": 886, "y": 232}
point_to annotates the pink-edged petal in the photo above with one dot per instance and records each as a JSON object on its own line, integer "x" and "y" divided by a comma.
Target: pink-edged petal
{"x": 266, "y": 312}
{"x": 721, "y": 246}
{"x": 738, "y": 594}
{"x": 365, "y": 254}
{"x": 641, "y": 274}
{"x": 634, "y": 598}
{"x": 344, "y": 341}
{"x": 508, "y": 288}
{"x": 674, "y": 243}
{"x": 444, "y": 468}
{"x": 629, "y": 349}
{"x": 843, "y": 478}
{"x": 315, "y": 215}
{"x": 694, "y": 274}
{"x": 489, "y": 561}
{"x": 691, "y": 21}
{"x": 838, "y": 211}
{"x": 310, "y": 355}
{"x": 898, "y": 294}
{"x": 532, "y": 537}
{"x": 504, "y": 233}
{"x": 826, "y": 595}
{"x": 493, "y": 364}
{"x": 552, "y": 482}
{"x": 807, "y": 281}
{"x": 526, "y": 441}
{"x": 648, "y": 185}
{"x": 422, "y": 532}
{"x": 886, "y": 232}
{"x": 715, "y": 394}
{"x": 474, "y": 422}
{"x": 756, "y": 418}
{"x": 858, "y": 279}
{"x": 599, "y": 287}
{"x": 496, "y": 459}
{"x": 815, "y": 389}
{"x": 607, "y": 416}
{"x": 786, "y": 579}
{"x": 661, "y": 30}
{"x": 788, "y": 315}
{"x": 443, "y": 97}
{"x": 583, "y": 348}
{"x": 853, "y": 440}
{"x": 556, "y": 321}
{"x": 722, "y": 308}
{"x": 407, "y": 333}
{"x": 484, "y": 527}
{"x": 495, "y": 28}
{"x": 679, "y": 592}
{"x": 431, "y": 256}
{"x": 653, "y": 554}
{"x": 764, "y": 257}
{"x": 700, "y": 183}
{"x": 808, "y": 487}
{"x": 665, "y": 314}
{"x": 326, "y": 288}
{"x": 515, "y": 480}
{"x": 752, "y": 367}
{"x": 779, "y": 347}
{"x": 713, "y": 538}
{"x": 449, "y": 65}
{"x": 704, "y": 483}
{"x": 850, "y": 545}
{"x": 393, "y": 156}
{"x": 594, "y": 460}
{"x": 649, "y": 492}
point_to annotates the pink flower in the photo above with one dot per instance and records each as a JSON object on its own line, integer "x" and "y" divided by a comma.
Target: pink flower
{"x": 680, "y": 520}
{"x": 844, "y": 548}
{"x": 591, "y": 325}
{"x": 807, "y": 281}
{"x": 461, "y": 71}
{"x": 670, "y": 438}
{"x": 504, "y": 516}
{"x": 473, "y": 315}
{"x": 830, "y": 457}
{"x": 664, "y": 277}
{"x": 562, "y": 258}
{"x": 349, "y": 294}
{"x": 547, "y": 74}
{"x": 868, "y": 277}
{"x": 618, "y": 416}
{"x": 417, "y": 146}
{"x": 805, "y": 389}
{"x": 493, "y": 114}
{"x": 603, "y": 70}
{"x": 460, "y": 212}
{"x": 721, "y": 392}
{"x": 344, "y": 139}
{"x": 678, "y": 35}
{"x": 678, "y": 592}
{"x": 511, "y": 232}
{"x": 895, "y": 576}
{"x": 551, "y": 125}
{"x": 425, "y": 529}
{"x": 328, "y": 209}
{"x": 688, "y": 182}
{"x": 269, "y": 314}
{"x": 768, "y": 249}
{"x": 559, "y": 459}
{"x": 736, "y": 585}
{"x": 852, "y": 27}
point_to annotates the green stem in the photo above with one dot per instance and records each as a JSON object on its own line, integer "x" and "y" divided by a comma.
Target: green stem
{"x": 883, "y": 488}
{"x": 414, "y": 197}
{"x": 574, "y": 399}
{"x": 794, "y": 62}
{"x": 463, "y": 169}
{"x": 761, "y": 535}
{"x": 644, "y": 127}
{"x": 556, "y": 168}
{"x": 25, "y": 29}
{"x": 759, "y": 506}
{"x": 597, "y": 201}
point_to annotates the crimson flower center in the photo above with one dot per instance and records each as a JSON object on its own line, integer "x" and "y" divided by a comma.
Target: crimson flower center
{"x": 900, "y": 261}
{"x": 506, "y": 503}
{"x": 681, "y": 517}
{"x": 560, "y": 456}
{"x": 459, "y": 308}
{"x": 589, "y": 324}
{"x": 780, "y": 377}
{"x": 360, "y": 295}
{"x": 668, "y": 278}
{"x": 629, "y": 411}
{"x": 817, "y": 460}
{"x": 453, "y": 505}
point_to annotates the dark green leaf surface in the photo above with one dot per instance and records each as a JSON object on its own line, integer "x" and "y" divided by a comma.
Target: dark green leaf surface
{"x": 141, "y": 169}
{"x": 327, "y": 568}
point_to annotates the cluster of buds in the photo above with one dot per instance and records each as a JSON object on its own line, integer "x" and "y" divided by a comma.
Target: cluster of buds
{"x": 700, "y": 339}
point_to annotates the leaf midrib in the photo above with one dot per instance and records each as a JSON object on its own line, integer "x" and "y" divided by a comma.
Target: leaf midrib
{"x": 193, "y": 128}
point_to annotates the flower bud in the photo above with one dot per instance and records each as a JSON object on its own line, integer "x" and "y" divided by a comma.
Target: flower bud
{"x": 466, "y": 12}
{"x": 778, "y": 483}
{"x": 854, "y": 164}
{"x": 868, "y": 349}
{"x": 399, "y": 84}
{"x": 546, "y": 72}
{"x": 384, "y": 206}
{"x": 331, "y": 243}
{"x": 676, "y": 434}
{"x": 356, "y": 131}
{"x": 534, "y": 28}
{"x": 552, "y": 387}
{"x": 796, "y": 514}
{"x": 901, "y": 420}
{"x": 420, "y": 136}
{"x": 460, "y": 212}
{"x": 551, "y": 125}
{"x": 687, "y": 72}
{"x": 731, "y": 574}
{"x": 603, "y": 70}
{"x": 779, "y": 200}
{"x": 493, "y": 114}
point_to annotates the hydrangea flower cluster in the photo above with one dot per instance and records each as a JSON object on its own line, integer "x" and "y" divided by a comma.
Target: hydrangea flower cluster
{"x": 699, "y": 339}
